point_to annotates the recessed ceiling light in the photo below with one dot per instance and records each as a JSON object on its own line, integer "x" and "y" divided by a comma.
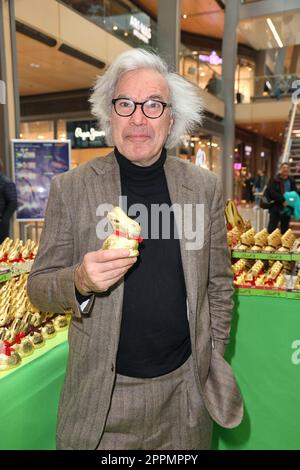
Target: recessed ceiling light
{"x": 126, "y": 33}
{"x": 184, "y": 16}
{"x": 115, "y": 27}
{"x": 41, "y": 137}
{"x": 274, "y": 32}
{"x": 35, "y": 66}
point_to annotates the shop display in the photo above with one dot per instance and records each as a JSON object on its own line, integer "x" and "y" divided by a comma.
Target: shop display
{"x": 23, "y": 328}
{"x": 126, "y": 232}
{"x": 263, "y": 263}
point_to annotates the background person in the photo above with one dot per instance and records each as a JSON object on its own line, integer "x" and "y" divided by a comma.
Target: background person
{"x": 260, "y": 182}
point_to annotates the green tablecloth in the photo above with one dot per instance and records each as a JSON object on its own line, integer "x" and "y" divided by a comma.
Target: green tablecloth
{"x": 265, "y": 355}
{"x": 29, "y": 397}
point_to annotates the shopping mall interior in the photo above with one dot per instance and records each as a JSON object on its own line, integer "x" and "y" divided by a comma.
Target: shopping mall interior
{"x": 244, "y": 58}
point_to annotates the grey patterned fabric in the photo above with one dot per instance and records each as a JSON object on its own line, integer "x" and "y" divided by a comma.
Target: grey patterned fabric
{"x": 69, "y": 233}
{"x": 164, "y": 413}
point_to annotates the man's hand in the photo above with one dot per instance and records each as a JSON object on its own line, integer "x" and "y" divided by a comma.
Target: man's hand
{"x": 101, "y": 269}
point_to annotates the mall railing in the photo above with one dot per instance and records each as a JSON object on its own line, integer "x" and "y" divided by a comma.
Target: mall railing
{"x": 266, "y": 87}
{"x": 288, "y": 140}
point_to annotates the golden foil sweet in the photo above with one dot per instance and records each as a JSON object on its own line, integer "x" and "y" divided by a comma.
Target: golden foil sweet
{"x": 126, "y": 232}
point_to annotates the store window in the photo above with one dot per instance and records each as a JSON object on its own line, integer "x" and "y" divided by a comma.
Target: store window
{"x": 87, "y": 140}
{"x": 203, "y": 150}
{"x": 37, "y": 130}
{"x": 203, "y": 69}
{"x": 244, "y": 81}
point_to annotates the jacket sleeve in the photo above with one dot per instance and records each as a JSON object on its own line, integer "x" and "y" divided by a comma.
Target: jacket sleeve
{"x": 51, "y": 281}
{"x": 220, "y": 283}
{"x": 11, "y": 201}
{"x": 273, "y": 193}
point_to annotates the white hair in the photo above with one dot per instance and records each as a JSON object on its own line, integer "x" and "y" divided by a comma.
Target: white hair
{"x": 186, "y": 102}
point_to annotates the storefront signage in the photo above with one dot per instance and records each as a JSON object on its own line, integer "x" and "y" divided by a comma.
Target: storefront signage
{"x": 91, "y": 134}
{"x": 140, "y": 30}
{"x": 2, "y": 92}
{"x": 237, "y": 166}
{"x": 212, "y": 59}
{"x": 84, "y": 134}
{"x": 35, "y": 162}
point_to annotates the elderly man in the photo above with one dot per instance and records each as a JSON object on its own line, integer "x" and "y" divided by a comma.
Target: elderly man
{"x": 147, "y": 335}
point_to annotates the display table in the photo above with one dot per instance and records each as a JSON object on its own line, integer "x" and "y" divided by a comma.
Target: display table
{"x": 29, "y": 397}
{"x": 265, "y": 355}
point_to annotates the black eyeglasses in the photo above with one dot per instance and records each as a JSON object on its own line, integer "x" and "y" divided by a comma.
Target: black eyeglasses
{"x": 152, "y": 109}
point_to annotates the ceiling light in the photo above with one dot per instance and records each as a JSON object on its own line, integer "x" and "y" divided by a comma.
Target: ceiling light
{"x": 41, "y": 137}
{"x": 274, "y": 31}
{"x": 115, "y": 27}
{"x": 35, "y": 66}
{"x": 184, "y": 16}
{"x": 126, "y": 33}
{"x": 21, "y": 135}
{"x": 202, "y": 74}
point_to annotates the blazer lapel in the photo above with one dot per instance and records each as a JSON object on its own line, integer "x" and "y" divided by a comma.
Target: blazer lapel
{"x": 181, "y": 193}
{"x": 103, "y": 186}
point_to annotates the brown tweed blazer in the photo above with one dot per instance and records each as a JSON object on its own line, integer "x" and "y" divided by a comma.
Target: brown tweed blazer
{"x": 69, "y": 233}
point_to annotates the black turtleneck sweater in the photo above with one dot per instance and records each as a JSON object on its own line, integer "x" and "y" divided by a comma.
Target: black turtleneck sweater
{"x": 154, "y": 337}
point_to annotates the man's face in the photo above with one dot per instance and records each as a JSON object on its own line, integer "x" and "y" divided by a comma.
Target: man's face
{"x": 284, "y": 172}
{"x": 137, "y": 137}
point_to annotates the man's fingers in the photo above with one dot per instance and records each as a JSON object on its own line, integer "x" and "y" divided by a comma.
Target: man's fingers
{"x": 110, "y": 255}
{"x": 116, "y": 264}
{"x": 110, "y": 275}
{"x": 109, "y": 283}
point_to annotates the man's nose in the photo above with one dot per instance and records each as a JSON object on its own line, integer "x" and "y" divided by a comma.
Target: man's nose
{"x": 138, "y": 117}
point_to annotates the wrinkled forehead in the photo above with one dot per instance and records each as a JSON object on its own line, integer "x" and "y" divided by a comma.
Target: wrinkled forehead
{"x": 142, "y": 83}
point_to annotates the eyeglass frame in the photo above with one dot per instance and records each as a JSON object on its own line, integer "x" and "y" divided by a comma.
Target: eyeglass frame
{"x": 164, "y": 105}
